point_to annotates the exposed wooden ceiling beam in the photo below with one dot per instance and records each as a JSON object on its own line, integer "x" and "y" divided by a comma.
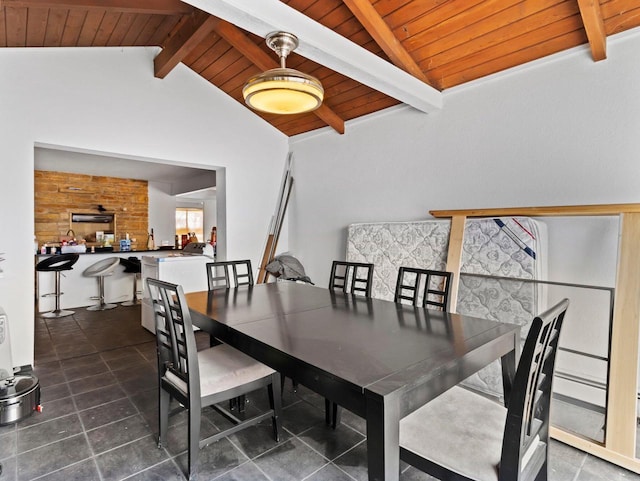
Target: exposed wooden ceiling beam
{"x": 189, "y": 35}
{"x": 594, "y": 25}
{"x": 373, "y": 23}
{"x": 241, "y": 42}
{"x": 159, "y": 7}
{"x": 326, "y": 47}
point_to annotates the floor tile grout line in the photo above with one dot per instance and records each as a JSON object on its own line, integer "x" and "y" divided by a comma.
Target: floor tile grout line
{"x": 86, "y": 437}
{"x": 330, "y": 463}
{"x": 341, "y": 454}
{"x": 169, "y": 459}
{"x": 126, "y": 396}
{"x": 111, "y": 423}
{"x": 48, "y": 443}
{"x": 72, "y": 397}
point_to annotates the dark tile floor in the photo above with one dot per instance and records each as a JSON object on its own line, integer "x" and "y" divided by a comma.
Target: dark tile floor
{"x": 98, "y": 378}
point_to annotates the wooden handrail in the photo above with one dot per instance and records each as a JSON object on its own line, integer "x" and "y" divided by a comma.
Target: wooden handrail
{"x": 564, "y": 210}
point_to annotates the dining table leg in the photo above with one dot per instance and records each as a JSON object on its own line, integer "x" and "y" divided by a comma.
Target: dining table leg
{"x": 383, "y": 437}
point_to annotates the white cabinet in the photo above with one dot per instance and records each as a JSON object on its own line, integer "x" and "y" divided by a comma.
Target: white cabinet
{"x": 189, "y": 271}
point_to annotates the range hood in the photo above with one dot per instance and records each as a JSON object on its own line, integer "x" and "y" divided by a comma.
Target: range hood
{"x": 92, "y": 218}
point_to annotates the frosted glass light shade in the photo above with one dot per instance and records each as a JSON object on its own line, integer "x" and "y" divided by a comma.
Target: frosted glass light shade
{"x": 283, "y": 91}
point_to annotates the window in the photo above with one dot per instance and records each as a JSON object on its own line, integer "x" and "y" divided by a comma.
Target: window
{"x": 190, "y": 220}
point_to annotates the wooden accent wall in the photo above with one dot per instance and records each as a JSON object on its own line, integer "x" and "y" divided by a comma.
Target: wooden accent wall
{"x": 54, "y": 201}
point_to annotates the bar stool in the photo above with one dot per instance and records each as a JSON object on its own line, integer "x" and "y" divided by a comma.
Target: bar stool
{"x": 101, "y": 269}
{"x": 132, "y": 266}
{"x": 57, "y": 264}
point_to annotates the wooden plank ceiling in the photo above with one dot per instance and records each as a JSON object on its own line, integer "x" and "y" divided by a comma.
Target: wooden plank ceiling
{"x": 443, "y": 43}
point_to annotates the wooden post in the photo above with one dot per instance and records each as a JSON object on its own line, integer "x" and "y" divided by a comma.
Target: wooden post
{"x": 623, "y": 364}
{"x": 454, "y": 257}
{"x": 620, "y": 438}
{"x": 276, "y": 222}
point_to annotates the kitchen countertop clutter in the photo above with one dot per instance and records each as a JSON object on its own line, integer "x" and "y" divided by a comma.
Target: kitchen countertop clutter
{"x": 79, "y": 290}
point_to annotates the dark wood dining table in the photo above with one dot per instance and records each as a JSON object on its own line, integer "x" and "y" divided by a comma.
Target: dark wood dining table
{"x": 378, "y": 359}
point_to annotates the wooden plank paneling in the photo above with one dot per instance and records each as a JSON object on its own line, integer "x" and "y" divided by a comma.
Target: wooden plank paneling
{"x": 121, "y": 28}
{"x": 160, "y": 7}
{"x": 90, "y": 28}
{"x": 210, "y": 55}
{"x": 16, "y": 26}
{"x": 73, "y": 27}
{"x": 620, "y": 15}
{"x": 3, "y": 30}
{"x": 499, "y": 64}
{"x": 161, "y": 34}
{"x": 37, "y": 27}
{"x": 147, "y": 31}
{"x": 414, "y": 30}
{"x": 477, "y": 28}
{"x": 452, "y": 42}
{"x": 514, "y": 51}
{"x": 55, "y": 27}
{"x": 106, "y": 28}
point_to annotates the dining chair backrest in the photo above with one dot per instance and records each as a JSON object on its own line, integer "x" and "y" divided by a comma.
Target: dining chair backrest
{"x": 229, "y": 274}
{"x": 423, "y": 287}
{"x": 526, "y": 434}
{"x": 352, "y": 277}
{"x": 226, "y": 374}
{"x": 175, "y": 340}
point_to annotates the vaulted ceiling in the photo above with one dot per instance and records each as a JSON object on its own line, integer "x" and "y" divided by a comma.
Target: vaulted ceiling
{"x": 368, "y": 54}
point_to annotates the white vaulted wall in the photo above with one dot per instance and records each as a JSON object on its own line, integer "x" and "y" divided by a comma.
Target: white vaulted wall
{"x": 108, "y": 100}
{"x": 560, "y": 131}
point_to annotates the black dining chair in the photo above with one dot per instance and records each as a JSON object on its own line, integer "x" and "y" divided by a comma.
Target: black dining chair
{"x": 465, "y": 436}
{"x": 423, "y": 287}
{"x": 352, "y": 277}
{"x": 196, "y": 379}
{"x": 229, "y": 274}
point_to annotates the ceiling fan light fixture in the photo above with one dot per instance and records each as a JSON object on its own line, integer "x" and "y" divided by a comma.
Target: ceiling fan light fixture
{"x": 283, "y": 90}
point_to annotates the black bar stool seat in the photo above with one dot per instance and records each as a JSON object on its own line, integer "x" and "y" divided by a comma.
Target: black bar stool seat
{"x": 133, "y": 266}
{"x": 57, "y": 263}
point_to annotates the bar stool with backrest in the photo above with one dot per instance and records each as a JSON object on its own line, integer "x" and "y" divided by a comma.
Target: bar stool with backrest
{"x": 133, "y": 266}
{"x": 100, "y": 270}
{"x": 423, "y": 287}
{"x": 461, "y": 435}
{"x": 197, "y": 379}
{"x": 58, "y": 264}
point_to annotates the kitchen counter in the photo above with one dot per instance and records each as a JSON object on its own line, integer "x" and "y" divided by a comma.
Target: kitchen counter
{"x": 78, "y": 289}
{"x": 117, "y": 251}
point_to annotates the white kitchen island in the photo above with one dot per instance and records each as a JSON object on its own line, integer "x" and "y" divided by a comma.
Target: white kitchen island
{"x": 188, "y": 270}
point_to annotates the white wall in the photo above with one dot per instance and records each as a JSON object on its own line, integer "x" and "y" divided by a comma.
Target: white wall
{"x": 162, "y": 214}
{"x": 107, "y": 100}
{"x": 561, "y": 131}
{"x": 210, "y": 217}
